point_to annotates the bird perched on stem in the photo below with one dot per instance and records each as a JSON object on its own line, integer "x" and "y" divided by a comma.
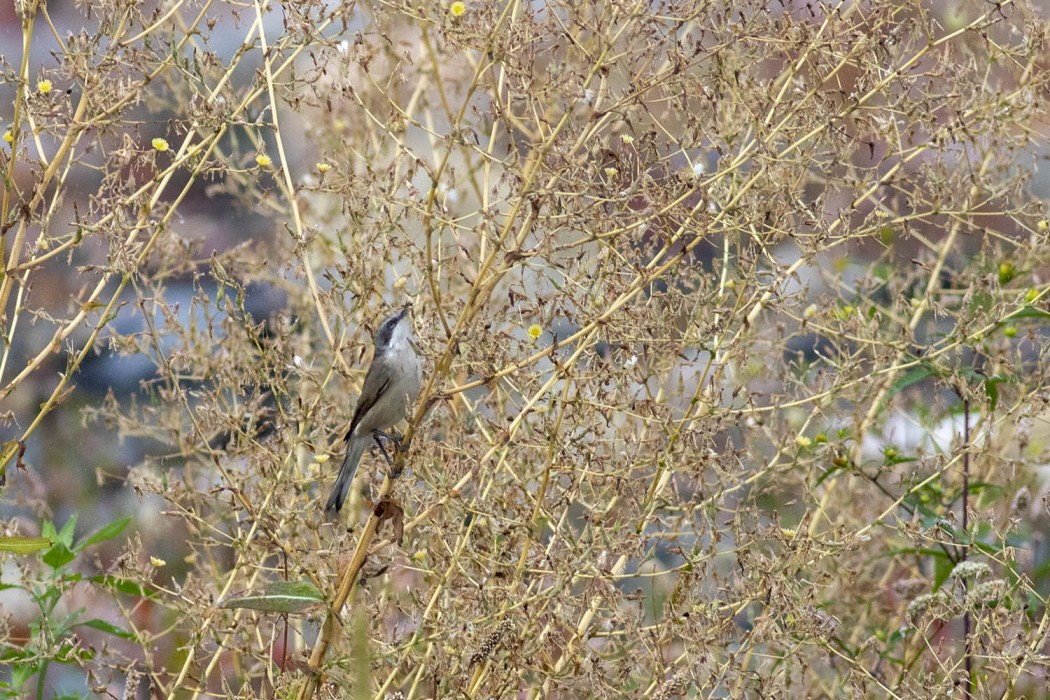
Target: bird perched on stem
{"x": 391, "y": 387}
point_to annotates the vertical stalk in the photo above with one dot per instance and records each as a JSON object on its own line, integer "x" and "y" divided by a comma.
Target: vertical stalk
{"x": 968, "y": 688}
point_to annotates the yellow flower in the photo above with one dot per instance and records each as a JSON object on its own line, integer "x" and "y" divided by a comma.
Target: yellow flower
{"x": 263, "y": 160}
{"x": 535, "y": 331}
{"x": 611, "y": 172}
{"x": 458, "y": 8}
{"x": 157, "y": 562}
{"x": 160, "y": 145}
{"x": 803, "y": 441}
{"x": 1007, "y": 271}
{"x": 627, "y": 139}
{"x": 44, "y": 86}
{"x": 9, "y": 137}
{"x": 323, "y": 167}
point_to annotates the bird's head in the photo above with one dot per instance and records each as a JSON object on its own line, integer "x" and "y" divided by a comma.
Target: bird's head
{"x": 395, "y": 331}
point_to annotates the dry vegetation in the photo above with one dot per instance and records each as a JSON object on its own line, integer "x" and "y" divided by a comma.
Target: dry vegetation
{"x": 734, "y": 322}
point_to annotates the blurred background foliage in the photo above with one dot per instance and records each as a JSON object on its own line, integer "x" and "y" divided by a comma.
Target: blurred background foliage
{"x": 734, "y": 317}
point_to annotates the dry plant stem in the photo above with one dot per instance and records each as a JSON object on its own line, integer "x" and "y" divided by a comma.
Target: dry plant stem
{"x": 920, "y": 310}
{"x": 432, "y": 197}
{"x": 435, "y": 597}
{"x": 945, "y": 248}
{"x": 106, "y": 316}
{"x": 935, "y": 351}
{"x": 663, "y": 480}
{"x": 428, "y": 612}
{"x": 508, "y": 436}
{"x": 441, "y": 368}
{"x": 235, "y": 572}
{"x": 585, "y": 620}
{"x": 498, "y": 448}
{"x": 654, "y": 270}
{"x": 158, "y": 186}
{"x": 970, "y": 681}
{"x": 256, "y": 515}
{"x": 363, "y": 548}
{"x": 59, "y": 160}
{"x": 331, "y": 625}
{"x": 545, "y": 236}
{"x": 20, "y": 95}
{"x": 289, "y": 188}
{"x": 889, "y": 374}
{"x": 481, "y": 671}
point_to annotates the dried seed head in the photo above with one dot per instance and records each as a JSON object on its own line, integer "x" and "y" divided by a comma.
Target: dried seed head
{"x": 491, "y": 642}
{"x": 673, "y": 687}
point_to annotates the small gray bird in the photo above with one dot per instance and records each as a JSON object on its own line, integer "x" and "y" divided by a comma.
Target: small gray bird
{"x": 391, "y": 387}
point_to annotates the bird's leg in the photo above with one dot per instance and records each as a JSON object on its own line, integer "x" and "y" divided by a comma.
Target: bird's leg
{"x": 396, "y": 441}
{"x": 395, "y": 437}
{"x": 375, "y": 436}
{"x": 372, "y": 449}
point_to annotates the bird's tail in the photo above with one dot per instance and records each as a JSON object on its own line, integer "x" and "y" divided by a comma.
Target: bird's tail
{"x": 355, "y": 447}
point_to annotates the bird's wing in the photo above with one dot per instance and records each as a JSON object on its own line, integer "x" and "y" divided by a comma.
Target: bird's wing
{"x": 373, "y": 388}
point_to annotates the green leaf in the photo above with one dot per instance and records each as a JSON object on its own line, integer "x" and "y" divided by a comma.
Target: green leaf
{"x": 898, "y": 635}
{"x": 279, "y": 597}
{"x": 912, "y": 376}
{"x": 942, "y": 567}
{"x": 892, "y": 457}
{"x": 992, "y": 390}
{"x": 924, "y": 551}
{"x": 65, "y": 535}
{"x": 976, "y": 488}
{"x": 121, "y": 585}
{"x": 58, "y": 556}
{"x": 24, "y": 545}
{"x": 106, "y": 532}
{"x": 990, "y": 382}
{"x": 11, "y": 654}
{"x": 827, "y": 474}
{"x": 1028, "y": 312}
{"x": 108, "y": 628}
{"x": 22, "y": 672}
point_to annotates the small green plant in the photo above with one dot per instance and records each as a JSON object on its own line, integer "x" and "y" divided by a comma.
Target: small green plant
{"x": 53, "y": 631}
